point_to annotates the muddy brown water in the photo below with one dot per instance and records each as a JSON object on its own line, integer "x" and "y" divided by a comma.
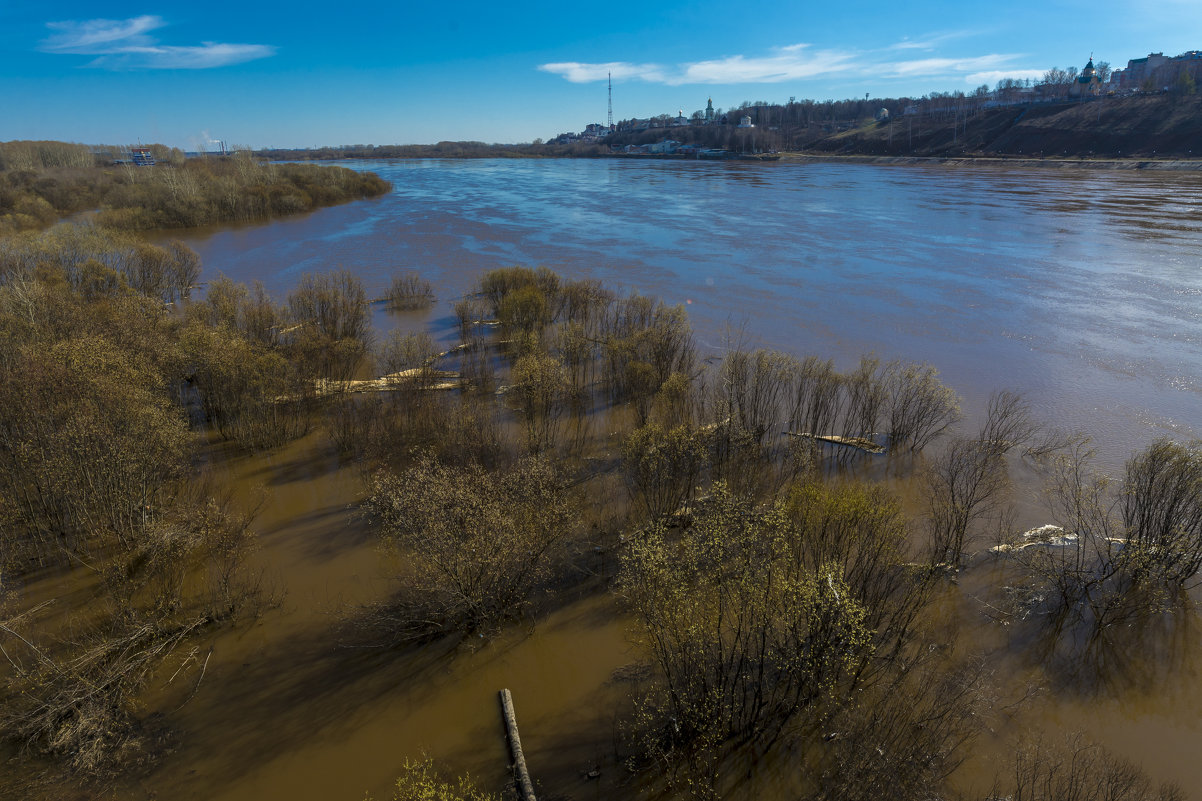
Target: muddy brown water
{"x": 1083, "y": 290}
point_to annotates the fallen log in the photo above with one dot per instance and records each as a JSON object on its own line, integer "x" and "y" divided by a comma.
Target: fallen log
{"x": 521, "y": 776}
{"x": 860, "y": 443}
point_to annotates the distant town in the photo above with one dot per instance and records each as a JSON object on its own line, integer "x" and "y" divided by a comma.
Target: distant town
{"x": 668, "y": 134}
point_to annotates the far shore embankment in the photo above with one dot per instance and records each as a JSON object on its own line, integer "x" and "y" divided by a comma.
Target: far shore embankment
{"x": 1166, "y": 165}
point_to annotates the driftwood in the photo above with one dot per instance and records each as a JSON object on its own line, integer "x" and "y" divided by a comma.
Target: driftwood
{"x": 443, "y": 380}
{"x": 521, "y": 776}
{"x": 859, "y": 443}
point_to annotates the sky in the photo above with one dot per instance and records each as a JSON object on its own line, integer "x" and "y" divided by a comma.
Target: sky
{"x": 305, "y": 75}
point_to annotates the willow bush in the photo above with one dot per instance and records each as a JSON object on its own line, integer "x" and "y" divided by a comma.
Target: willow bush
{"x": 474, "y": 544}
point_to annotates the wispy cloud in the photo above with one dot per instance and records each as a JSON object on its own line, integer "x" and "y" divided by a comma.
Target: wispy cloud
{"x": 993, "y": 76}
{"x": 796, "y": 62}
{"x": 577, "y": 72}
{"x": 946, "y": 66}
{"x": 90, "y": 36}
{"x": 784, "y": 63}
{"x": 124, "y": 45}
{"x": 931, "y": 40}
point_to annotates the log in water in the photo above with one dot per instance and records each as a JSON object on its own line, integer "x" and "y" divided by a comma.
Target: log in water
{"x": 520, "y": 774}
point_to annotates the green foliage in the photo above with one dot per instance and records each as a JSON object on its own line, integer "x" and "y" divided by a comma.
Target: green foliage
{"x": 1162, "y": 509}
{"x": 743, "y": 636}
{"x": 663, "y": 466}
{"x": 476, "y": 543}
{"x": 762, "y": 622}
{"x": 420, "y": 781}
{"x": 253, "y": 395}
{"x": 540, "y": 386}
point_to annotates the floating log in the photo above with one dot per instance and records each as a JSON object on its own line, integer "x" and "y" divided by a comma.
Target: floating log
{"x": 443, "y": 380}
{"x": 521, "y": 776}
{"x": 859, "y": 443}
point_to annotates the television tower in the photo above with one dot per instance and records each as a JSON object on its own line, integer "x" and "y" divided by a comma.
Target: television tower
{"x": 610, "y": 76}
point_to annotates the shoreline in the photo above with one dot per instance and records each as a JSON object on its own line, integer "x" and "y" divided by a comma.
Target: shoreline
{"x": 1165, "y": 165}
{"x": 796, "y": 157}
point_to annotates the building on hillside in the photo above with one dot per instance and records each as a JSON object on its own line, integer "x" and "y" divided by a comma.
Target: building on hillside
{"x": 1156, "y": 71}
{"x": 882, "y": 114}
{"x": 709, "y": 111}
{"x": 1141, "y": 69}
{"x": 745, "y": 122}
{"x": 667, "y": 146}
{"x": 680, "y": 118}
{"x": 141, "y": 156}
{"x": 1087, "y": 84}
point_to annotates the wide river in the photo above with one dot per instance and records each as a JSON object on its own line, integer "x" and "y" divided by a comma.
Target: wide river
{"x": 1082, "y": 289}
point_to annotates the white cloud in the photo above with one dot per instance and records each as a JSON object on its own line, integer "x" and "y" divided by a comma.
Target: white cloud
{"x": 124, "y": 45}
{"x": 786, "y": 63}
{"x": 789, "y": 63}
{"x": 205, "y": 56}
{"x": 795, "y": 62}
{"x": 578, "y": 72}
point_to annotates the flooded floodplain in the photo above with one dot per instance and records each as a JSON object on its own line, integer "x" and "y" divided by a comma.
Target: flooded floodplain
{"x": 1082, "y": 290}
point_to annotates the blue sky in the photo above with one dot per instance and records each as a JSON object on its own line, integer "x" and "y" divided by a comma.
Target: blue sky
{"x": 299, "y": 75}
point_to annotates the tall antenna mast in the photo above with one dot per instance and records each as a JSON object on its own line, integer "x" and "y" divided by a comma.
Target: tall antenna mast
{"x": 610, "y": 76}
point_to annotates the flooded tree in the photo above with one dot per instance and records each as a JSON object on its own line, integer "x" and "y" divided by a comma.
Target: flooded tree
{"x": 759, "y": 625}
{"x": 969, "y": 481}
{"x": 475, "y": 544}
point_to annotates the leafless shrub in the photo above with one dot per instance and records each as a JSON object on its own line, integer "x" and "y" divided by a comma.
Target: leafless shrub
{"x": 77, "y": 701}
{"x": 472, "y": 434}
{"x": 88, "y": 443}
{"x": 1161, "y": 509}
{"x": 920, "y": 407}
{"x": 969, "y": 481}
{"x": 815, "y": 397}
{"x": 409, "y": 291}
{"x": 865, "y": 397}
{"x": 1127, "y": 552}
{"x": 643, "y": 342}
{"x": 75, "y": 697}
{"x": 1080, "y": 771}
{"x": 335, "y": 323}
{"x": 901, "y": 741}
{"x": 524, "y": 315}
{"x": 750, "y": 391}
{"x": 585, "y": 303}
{"x": 496, "y": 285}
